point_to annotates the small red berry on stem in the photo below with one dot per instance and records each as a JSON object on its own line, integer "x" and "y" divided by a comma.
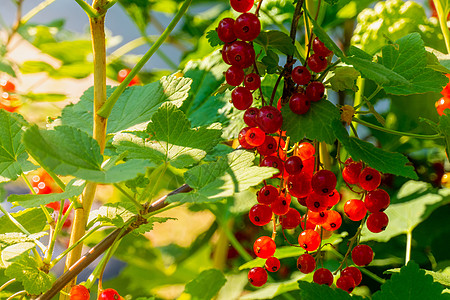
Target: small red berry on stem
{"x": 242, "y": 5}
{"x": 351, "y": 172}
{"x": 255, "y": 137}
{"x": 377, "y": 222}
{"x": 269, "y": 146}
{"x": 293, "y": 165}
{"x": 362, "y": 255}
{"x": 272, "y": 264}
{"x": 250, "y": 116}
{"x": 299, "y": 103}
{"x": 346, "y": 283}
{"x": 323, "y": 276}
{"x": 252, "y": 81}
{"x": 377, "y": 200}
{"x": 234, "y": 75}
{"x": 291, "y": 219}
{"x": 281, "y": 205}
{"x": 355, "y": 209}
{"x": 242, "y": 140}
{"x": 334, "y": 221}
{"x": 323, "y": 182}
{"x": 109, "y": 294}
{"x": 309, "y": 240}
{"x": 260, "y": 214}
{"x": 369, "y": 179}
{"x": 225, "y": 30}
{"x": 317, "y": 63}
{"x": 269, "y": 119}
{"x": 247, "y": 27}
{"x": 306, "y": 263}
{"x": 267, "y": 194}
{"x": 301, "y": 75}
{"x": 257, "y": 276}
{"x": 320, "y": 48}
{"x": 274, "y": 162}
{"x": 242, "y": 98}
{"x": 79, "y": 292}
{"x": 264, "y": 247}
{"x": 353, "y": 272}
{"x": 315, "y": 91}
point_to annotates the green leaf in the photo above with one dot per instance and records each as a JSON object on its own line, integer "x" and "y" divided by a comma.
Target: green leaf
{"x": 69, "y": 151}
{"x": 172, "y": 139}
{"x": 325, "y": 38}
{"x": 73, "y": 188}
{"x": 149, "y": 226}
{"x": 213, "y": 38}
{"x": 405, "y": 216}
{"x": 271, "y": 61}
{"x": 314, "y": 291}
{"x": 215, "y": 181}
{"x": 272, "y": 290}
{"x": 26, "y": 270}
{"x": 44, "y": 97}
{"x": 11, "y": 238}
{"x": 6, "y": 67}
{"x": 440, "y": 64}
{"x": 13, "y": 158}
{"x": 383, "y": 161}
{"x": 315, "y": 124}
{"x": 441, "y": 277}
{"x": 273, "y": 39}
{"x": 344, "y": 78}
{"x": 444, "y": 127}
{"x": 410, "y": 283}
{"x": 332, "y": 2}
{"x": 33, "y": 219}
{"x": 11, "y": 253}
{"x": 206, "y": 285}
{"x": 116, "y": 214}
{"x": 134, "y": 107}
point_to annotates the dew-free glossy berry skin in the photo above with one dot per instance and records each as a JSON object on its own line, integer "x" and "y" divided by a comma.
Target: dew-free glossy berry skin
{"x": 317, "y": 63}
{"x": 346, "y": 283}
{"x": 301, "y": 75}
{"x": 281, "y": 205}
{"x": 323, "y": 182}
{"x": 274, "y": 162}
{"x": 334, "y": 221}
{"x": 353, "y": 272}
{"x": 79, "y": 292}
{"x": 272, "y": 264}
{"x": 234, "y": 76}
{"x": 293, "y": 165}
{"x": 299, "y": 103}
{"x": 109, "y": 294}
{"x": 355, "y": 209}
{"x": 242, "y": 140}
{"x": 306, "y": 263}
{"x": 306, "y": 150}
{"x": 247, "y": 27}
{"x": 362, "y": 255}
{"x": 309, "y": 224}
{"x": 351, "y": 172}
{"x": 257, "y": 276}
{"x": 316, "y": 202}
{"x": 309, "y": 240}
{"x": 377, "y": 222}
{"x": 291, "y": 219}
{"x": 269, "y": 119}
{"x": 377, "y": 200}
{"x": 255, "y": 137}
{"x": 240, "y": 54}
{"x": 299, "y": 185}
{"x": 320, "y": 48}
{"x": 333, "y": 198}
{"x": 323, "y": 276}
{"x": 264, "y": 247}
{"x": 122, "y": 74}
{"x": 252, "y": 81}
{"x": 318, "y": 218}
{"x": 7, "y": 86}
{"x": 242, "y": 98}
{"x": 369, "y": 179}
{"x": 269, "y": 146}
{"x": 225, "y": 30}
{"x": 250, "y": 116}
{"x": 224, "y": 52}
{"x": 242, "y": 5}
{"x": 267, "y": 194}
{"x": 260, "y": 214}
{"x": 315, "y": 91}
{"x": 441, "y": 105}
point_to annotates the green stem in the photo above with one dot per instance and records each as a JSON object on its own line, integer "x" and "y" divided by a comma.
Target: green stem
{"x": 36, "y": 10}
{"x": 274, "y": 21}
{"x": 235, "y": 243}
{"x": 15, "y": 222}
{"x": 91, "y": 12}
{"x": 442, "y": 15}
{"x": 131, "y": 45}
{"x": 149, "y": 190}
{"x": 106, "y": 109}
{"x": 5, "y": 285}
{"x": 16, "y": 294}
{"x": 391, "y": 131}
{"x": 408, "y": 247}
{"x": 110, "y": 4}
{"x": 131, "y": 198}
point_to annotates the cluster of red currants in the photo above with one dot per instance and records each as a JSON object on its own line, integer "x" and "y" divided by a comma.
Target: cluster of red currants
{"x": 80, "y": 292}
{"x": 444, "y": 103}
{"x": 8, "y": 101}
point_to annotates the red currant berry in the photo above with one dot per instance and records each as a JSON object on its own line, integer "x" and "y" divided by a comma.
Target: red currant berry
{"x": 269, "y": 119}
{"x": 346, "y": 283}
{"x": 53, "y": 205}
{"x": 377, "y": 200}
{"x": 334, "y": 221}
{"x": 242, "y": 5}
{"x": 257, "y": 276}
{"x": 309, "y": 224}
{"x": 267, "y": 194}
{"x": 301, "y": 75}
{"x": 225, "y": 30}
{"x": 109, "y": 294}
{"x": 79, "y": 292}
{"x": 299, "y": 103}
{"x": 252, "y": 81}
{"x": 240, "y": 54}
{"x": 255, "y": 137}
{"x": 355, "y": 209}
{"x": 122, "y": 74}
{"x": 247, "y": 27}
{"x": 315, "y": 91}
{"x": 362, "y": 255}
{"x": 242, "y": 98}
{"x": 323, "y": 276}
{"x": 323, "y": 182}
{"x": 264, "y": 247}
{"x": 333, "y": 198}
{"x": 250, "y": 116}
{"x": 291, "y": 219}
{"x": 7, "y": 86}
{"x": 442, "y": 104}
{"x": 316, "y": 202}
{"x": 369, "y": 179}
{"x": 281, "y": 205}
{"x": 299, "y": 185}
{"x": 317, "y": 63}
{"x": 260, "y": 214}
{"x": 306, "y": 263}
{"x": 353, "y": 272}
{"x": 351, "y": 172}
{"x": 274, "y": 162}
{"x": 269, "y": 146}
{"x": 306, "y": 150}
{"x": 234, "y": 76}
{"x": 320, "y": 48}
{"x": 224, "y": 52}
{"x": 242, "y": 140}
{"x": 318, "y": 218}
{"x": 293, "y": 165}
{"x": 309, "y": 240}
{"x": 377, "y": 222}
{"x": 272, "y": 264}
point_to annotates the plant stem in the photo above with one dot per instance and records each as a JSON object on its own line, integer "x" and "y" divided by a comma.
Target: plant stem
{"x": 408, "y": 246}
{"x": 131, "y": 198}
{"x": 442, "y": 15}
{"x": 16, "y": 294}
{"x": 391, "y": 131}
{"x": 49, "y": 218}
{"x": 5, "y": 285}
{"x": 92, "y": 13}
{"x": 106, "y": 109}
{"x": 235, "y": 243}
{"x": 36, "y": 10}
{"x": 14, "y": 221}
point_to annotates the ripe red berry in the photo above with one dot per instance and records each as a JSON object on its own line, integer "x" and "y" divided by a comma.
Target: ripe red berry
{"x": 79, "y": 292}
{"x": 240, "y": 54}
{"x": 362, "y": 255}
{"x": 377, "y": 222}
{"x": 306, "y": 263}
{"x": 281, "y": 205}
{"x": 272, "y": 264}
{"x": 257, "y": 276}
{"x": 317, "y": 63}
{"x": 353, "y": 272}
{"x": 315, "y": 91}
{"x": 318, "y": 218}
{"x": 293, "y": 165}
{"x": 122, "y": 74}
{"x": 299, "y": 185}
{"x": 299, "y": 103}
{"x": 242, "y": 98}
{"x": 109, "y": 294}
{"x": 269, "y": 119}
{"x": 264, "y": 247}
{"x": 234, "y": 75}
{"x": 377, "y": 200}
{"x": 355, "y": 209}
{"x": 442, "y": 104}
{"x": 247, "y": 27}
{"x": 346, "y": 283}
{"x": 267, "y": 194}
{"x": 274, "y": 162}
{"x": 269, "y": 146}
{"x": 225, "y": 30}
{"x": 301, "y": 75}
{"x": 252, "y": 81}
{"x": 306, "y": 150}
{"x": 323, "y": 276}
{"x": 351, "y": 172}
{"x": 309, "y": 224}
{"x": 250, "y": 116}
{"x": 333, "y": 198}
{"x": 323, "y": 182}
{"x": 334, "y": 221}
{"x": 291, "y": 219}
{"x": 224, "y": 52}
{"x": 320, "y": 48}
{"x": 242, "y": 5}
{"x": 309, "y": 240}
{"x": 7, "y": 86}
{"x": 255, "y": 137}
{"x": 242, "y": 140}
{"x": 369, "y": 179}
{"x": 260, "y": 214}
